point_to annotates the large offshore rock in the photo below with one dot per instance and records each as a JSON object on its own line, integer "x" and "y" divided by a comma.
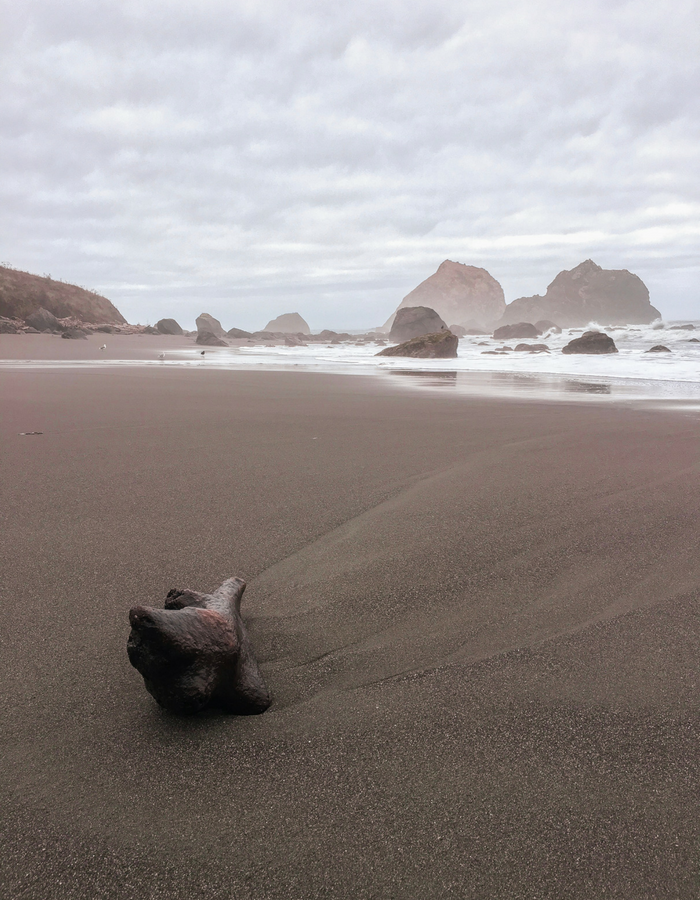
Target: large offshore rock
{"x": 209, "y": 339}
{"x": 168, "y": 326}
{"x": 591, "y": 342}
{"x": 289, "y": 323}
{"x": 206, "y": 323}
{"x": 43, "y": 320}
{"x": 196, "y": 652}
{"x": 412, "y": 321}
{"x": 518, "y": 331}
{"x": 586, "y": 294}
{"x": 441, "y": 345}
{"x": 465, "y": 295}
{"x": 22, "y": 294}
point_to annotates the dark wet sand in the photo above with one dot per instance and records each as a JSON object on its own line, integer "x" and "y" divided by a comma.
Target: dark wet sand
{"x": 479, "y": 620}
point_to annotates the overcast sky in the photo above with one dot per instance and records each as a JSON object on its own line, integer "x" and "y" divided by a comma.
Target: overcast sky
{"x": 253, "y": 158}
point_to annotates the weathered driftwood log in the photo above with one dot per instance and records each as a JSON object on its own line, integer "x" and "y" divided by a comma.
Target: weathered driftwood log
{"x": 196, "y": 652}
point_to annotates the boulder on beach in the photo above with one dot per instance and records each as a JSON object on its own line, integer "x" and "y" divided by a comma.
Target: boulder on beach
{"x": 591, "y": 342}
{"x": 207, "y": 324}
{"x": 209, "y": 339}
{"x": 413, "y": 321}
{"x": 74, "y": 334}
{"x": 168, "y": 326}
{"x": 294, "y": 340}
{"x": 43, "y": 320}
{"x": 289, "y": 323}
{"x": 466, "y": 295}
{"x": 8, "y": 327}
{"x": 586, "y": 294}
{"x": 517, "y": 331}
{"x": 441, "y": 345}
{"x": 659, "y": 348}
{"x": 238, "y": 333}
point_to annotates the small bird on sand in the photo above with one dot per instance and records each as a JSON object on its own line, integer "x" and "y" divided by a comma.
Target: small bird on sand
{"x": 202, "y": 352}
{"x": 161, "y": 356}
{"x": 103, "y": 347}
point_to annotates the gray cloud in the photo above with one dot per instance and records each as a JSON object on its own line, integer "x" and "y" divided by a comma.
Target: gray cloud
{"x": 254, "y": 158}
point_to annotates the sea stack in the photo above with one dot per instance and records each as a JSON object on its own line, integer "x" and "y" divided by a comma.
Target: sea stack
{"x": 586, "y": 294}
{"x": 465, "y": 295}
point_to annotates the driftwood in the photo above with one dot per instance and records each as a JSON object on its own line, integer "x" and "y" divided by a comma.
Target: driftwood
{"x": 196, "y": 652}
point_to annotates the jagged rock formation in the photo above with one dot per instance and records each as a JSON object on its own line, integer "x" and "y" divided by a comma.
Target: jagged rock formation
{"x": 465, "y": 295}
{"x": 206, "y": 323}
{"x": 586, "y": 294}
{"x": 289, "y": 323}
{"x": 168, "y": 326}
{"x": 591, "y": 342}
{"x": 413, "y": 321}
{"x": 21, "y": 294}
{"x": 196, "y": 652}
{"x": 442, "y": 345}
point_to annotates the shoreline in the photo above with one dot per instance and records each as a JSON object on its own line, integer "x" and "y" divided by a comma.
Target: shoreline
{"x": 582, "y": 384}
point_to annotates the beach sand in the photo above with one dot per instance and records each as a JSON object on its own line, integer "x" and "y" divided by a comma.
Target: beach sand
{"x": 478, "y": 619}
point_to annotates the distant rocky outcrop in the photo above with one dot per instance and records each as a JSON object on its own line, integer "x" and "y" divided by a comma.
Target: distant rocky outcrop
{"x": 465, "y": 295}
{"x": 591, "y": 342}
{"x": 289, "y": 323}
{"x": 586, "y": 294}
{"x": 442, "y": 345}
{"x": 659, "y": 348}
{"x": 518, "y": 331}
{"x": 207, "y": 324}
{"x": 209, "y": 339}
{"x": 22, "y": 294}
{"x": 168, "y": 326}
{"x": 413, "y": 321}
{"x": 238, "y": 333}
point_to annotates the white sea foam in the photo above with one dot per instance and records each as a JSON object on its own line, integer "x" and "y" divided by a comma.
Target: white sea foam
{"x": 630, "y": 372}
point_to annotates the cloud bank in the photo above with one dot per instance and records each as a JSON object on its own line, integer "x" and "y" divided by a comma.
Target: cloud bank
{"x": 256, "y": 158}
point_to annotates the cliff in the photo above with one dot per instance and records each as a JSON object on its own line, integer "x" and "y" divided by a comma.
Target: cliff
{"x": 21, "y": 294}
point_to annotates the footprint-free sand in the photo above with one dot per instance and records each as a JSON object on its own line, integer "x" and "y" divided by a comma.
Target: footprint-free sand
{"x": 478, "y": 618}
